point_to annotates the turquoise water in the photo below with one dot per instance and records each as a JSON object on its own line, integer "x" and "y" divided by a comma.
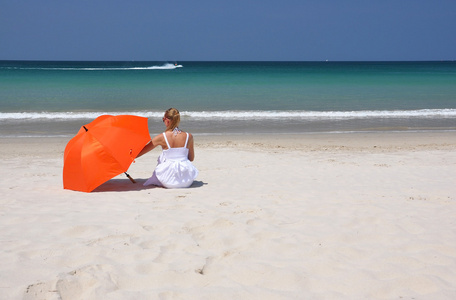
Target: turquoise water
{"x": 230, "y": 97}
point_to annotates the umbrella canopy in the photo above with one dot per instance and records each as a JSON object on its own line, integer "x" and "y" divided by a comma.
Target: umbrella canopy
{"x": 102, "y": 150}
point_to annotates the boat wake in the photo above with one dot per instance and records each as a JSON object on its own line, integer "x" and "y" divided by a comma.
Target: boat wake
{"x": 167, "y": 66}
{"x": 164, "y": 67}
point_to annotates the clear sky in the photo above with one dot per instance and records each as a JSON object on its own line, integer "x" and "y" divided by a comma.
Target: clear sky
{"x": 182, "y": 30}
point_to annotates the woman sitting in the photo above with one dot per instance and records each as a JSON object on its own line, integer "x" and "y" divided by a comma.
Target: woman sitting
{"x": 174, "y": 168}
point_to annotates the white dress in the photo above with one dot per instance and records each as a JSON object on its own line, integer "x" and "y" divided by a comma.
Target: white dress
{"x": 173, "y": 170}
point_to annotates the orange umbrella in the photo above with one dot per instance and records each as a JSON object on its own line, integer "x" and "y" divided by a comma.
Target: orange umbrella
{"x": 102, "y": 150}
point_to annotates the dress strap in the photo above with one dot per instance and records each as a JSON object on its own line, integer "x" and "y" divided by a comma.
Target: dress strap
{"x": 166, "y": 140}
{"x": 186, "y": 141}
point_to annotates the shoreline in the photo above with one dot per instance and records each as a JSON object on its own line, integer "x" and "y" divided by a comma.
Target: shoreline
{"x": 213, "y": 126}
{"x": 347, "y": 216}
{"x": 336, "y": 135}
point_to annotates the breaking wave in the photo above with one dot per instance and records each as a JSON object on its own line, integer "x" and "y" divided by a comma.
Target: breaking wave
{"x": 243, "y": 115}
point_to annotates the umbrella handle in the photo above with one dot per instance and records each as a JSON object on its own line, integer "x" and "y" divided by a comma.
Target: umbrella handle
{"x": 129, "y": 177}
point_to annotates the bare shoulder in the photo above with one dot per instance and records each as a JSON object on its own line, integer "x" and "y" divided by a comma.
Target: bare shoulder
{"x": 190, "y": 140}
{"x": 190, "y": 137}
{"x": 158, "y": 139}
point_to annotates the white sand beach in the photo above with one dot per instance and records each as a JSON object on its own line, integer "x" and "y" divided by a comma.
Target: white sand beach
{"x": 327, "y": 216}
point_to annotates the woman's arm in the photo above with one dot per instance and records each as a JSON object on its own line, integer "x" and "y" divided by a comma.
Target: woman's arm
{"x": 156, "y": 141}
{"x": 146, "y": 148}
{"x": 191, "y": 150}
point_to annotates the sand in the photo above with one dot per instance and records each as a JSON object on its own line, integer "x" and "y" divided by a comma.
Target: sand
{"x": 328, "y": 216}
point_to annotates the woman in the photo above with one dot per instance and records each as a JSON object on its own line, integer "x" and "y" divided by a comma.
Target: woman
{"x": 174, "y": 168}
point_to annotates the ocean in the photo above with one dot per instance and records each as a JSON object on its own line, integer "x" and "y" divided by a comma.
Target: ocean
{"x": 39, "y": 99}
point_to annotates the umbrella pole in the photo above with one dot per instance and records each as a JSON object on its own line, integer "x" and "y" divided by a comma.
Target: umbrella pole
{"x": 132, "y": 180}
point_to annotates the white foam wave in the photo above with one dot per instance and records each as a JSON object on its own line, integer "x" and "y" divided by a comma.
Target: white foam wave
{"x": 166, "y": 66}
{"x": 243, "y": 115}
{"x": 424, "y": 113}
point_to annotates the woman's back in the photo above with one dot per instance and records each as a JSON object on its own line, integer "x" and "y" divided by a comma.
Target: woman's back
{"x": 176, "y": 140}
{"x": 179, "y": 152}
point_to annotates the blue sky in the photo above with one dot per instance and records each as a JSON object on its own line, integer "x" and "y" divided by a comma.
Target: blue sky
{"x": 182, "y": 30}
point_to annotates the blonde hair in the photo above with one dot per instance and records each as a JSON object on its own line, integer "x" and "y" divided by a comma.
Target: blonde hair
{"x": 173, "y": 115}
